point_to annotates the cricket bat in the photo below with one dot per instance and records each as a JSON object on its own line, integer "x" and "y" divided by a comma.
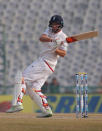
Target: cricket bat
{"x": 82, "y": 36}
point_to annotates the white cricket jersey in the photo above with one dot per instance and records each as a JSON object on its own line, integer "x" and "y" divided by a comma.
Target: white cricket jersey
{"x": 48, "y": 48}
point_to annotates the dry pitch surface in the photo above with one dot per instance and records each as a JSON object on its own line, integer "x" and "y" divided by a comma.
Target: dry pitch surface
{"x": 59, "y": 122}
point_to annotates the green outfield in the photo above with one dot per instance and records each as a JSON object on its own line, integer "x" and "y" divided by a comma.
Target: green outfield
{"x": 59, "y": 122}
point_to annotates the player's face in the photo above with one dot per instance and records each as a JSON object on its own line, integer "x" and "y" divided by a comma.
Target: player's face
{"x": 55, "y": 28}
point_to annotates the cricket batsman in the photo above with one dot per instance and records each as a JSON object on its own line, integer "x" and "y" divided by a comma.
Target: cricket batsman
{"x": 35, "y": 75}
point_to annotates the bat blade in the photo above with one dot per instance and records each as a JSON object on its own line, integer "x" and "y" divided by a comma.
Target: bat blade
{"x": 82, "y": 36}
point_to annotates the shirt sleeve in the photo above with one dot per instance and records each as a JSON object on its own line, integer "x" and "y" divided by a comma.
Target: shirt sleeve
{"x": 46, "y": 32}
{"x": 64, "y": 46}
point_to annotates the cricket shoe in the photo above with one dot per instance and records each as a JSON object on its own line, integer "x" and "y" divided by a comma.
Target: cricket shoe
{"x": 47, "y": 114}
{"x": 16, "y": 108}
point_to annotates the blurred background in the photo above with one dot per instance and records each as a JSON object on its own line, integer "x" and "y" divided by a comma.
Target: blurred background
{"x": 21, "y": 24}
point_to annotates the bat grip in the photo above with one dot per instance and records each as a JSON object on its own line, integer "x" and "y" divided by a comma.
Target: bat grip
{"x": 70, "y": 39}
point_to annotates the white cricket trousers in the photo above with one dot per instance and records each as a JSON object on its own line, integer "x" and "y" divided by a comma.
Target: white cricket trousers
{"x": 35, "y": 76}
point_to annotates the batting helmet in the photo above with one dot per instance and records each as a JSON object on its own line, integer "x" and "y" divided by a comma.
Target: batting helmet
{"x": 56, "y": 19}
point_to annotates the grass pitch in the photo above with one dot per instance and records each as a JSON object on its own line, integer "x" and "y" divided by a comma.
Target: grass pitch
{"x": 59, "y": 122}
